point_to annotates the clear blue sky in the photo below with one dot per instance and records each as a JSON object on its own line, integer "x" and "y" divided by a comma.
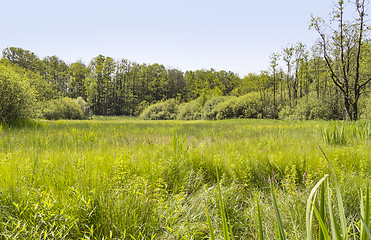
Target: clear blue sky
{"x": 235, "y": 35}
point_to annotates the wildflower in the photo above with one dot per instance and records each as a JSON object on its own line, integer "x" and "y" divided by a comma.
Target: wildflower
{"x": 266, "y": 150}
{"x": 304, "y": 175}
{"x": 202, "y": 156}
{"x": 114, "y": 153}
{"x": 269, "y": 180}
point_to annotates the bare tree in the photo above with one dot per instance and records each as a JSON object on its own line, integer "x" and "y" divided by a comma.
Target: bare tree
{"x": 343, "y": 48}
{"x": 274, "y": 64}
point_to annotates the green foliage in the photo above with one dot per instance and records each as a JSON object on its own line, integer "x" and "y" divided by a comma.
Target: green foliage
{"x": 141, "y": 107}
{"x": 16, "y": 94}
{"x": 248, "y": 106}
{"x": 334, "y": 135}
{"x": 210, "y": 82}
{"x": 302, "y": 91}
{"x": 365, "y": 107}
{"x": 84, "y": 106}
{"x": 209, "y": 111}
{"x": 64, "y": 108}
{"x": 225, "y": 109}
{"x": 308, "y": 108}
{"x": 190, "y": 110}
{"x": 23, "y": 58}
{"x": 161, "y": 111}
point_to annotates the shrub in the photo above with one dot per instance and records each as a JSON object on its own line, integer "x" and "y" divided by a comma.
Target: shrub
{"x": 308, "y": 108}
{"x": 84, "y": 106}
{"x": 17, "y": 98}
{"x": 226, "y": 109}
{"x": 209, "y": 110}
{"x": 365, "y": 107}
{"x": 190, "y": 110}
{"x": 285, "y": 112}
{"x": 248, "y": 106}
{"x": 161, "y": 111}
{"x": 143, "y": 105}
{"x": 63, "y": 108}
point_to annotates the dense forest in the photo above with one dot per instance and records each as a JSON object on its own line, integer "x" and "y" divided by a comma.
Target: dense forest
{"x": 329, "y": 80}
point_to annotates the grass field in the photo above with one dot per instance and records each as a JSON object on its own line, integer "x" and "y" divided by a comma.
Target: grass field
{"x": 124, "y": 178}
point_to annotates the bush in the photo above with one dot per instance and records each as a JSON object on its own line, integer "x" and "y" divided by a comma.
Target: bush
{"x": 161, "y": 111}
{"x": 17, "y": 99}
{"x": 285, "y": 112}
{"x": 63, "y": 108}
{"x": 226, "y": 109}
{"x": 84, "y": 106}
{"x": 143, "y": 105}
{"x": 365, "y": 107}
{"x": 248, "y": 106}
{"x": 308, "y": 108}
{"x": 209, "y": 111}
{"x": 189, "y": 111}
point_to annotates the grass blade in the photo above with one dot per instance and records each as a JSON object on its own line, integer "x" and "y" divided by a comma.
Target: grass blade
{"x": 365, "y": 213}
{"x": 260, "y": 225}
{"x": 278, "y": 218}
{"x": 222, "y": 211}
{"x": 322, "y": 225}
{"x": 339, "y": 201}
{"x": 310, "y": 209}
{"x": 322, "y": 210}
{"x": 211, "y": 230}
{"x": 334, "y": 227}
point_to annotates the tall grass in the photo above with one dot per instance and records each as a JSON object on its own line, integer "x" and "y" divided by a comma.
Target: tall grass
{"x": 132, "y": 179}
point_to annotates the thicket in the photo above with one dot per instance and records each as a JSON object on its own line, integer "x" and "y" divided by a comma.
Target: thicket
{"x": 161, "y": 111}
{"x": 65, "y": 108}
{"x": 247, "y": 106}
{"x": 17, "y": 98}
{"x": 209, "y": 111}
{"x": 190, "y": 110}
{"x": 309, "y": 108}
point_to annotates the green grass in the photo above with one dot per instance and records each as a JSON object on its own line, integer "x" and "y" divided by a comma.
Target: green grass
{"x": 125, "y": 178}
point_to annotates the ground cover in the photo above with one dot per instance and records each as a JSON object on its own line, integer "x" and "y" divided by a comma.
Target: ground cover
{"x": 124, "y": 178}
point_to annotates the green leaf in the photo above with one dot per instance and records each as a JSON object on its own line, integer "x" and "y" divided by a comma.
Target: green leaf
{"x": 309, "y": 210}
{"x": 278, "y": 218}
{"x": 321, "y": 223}
{"x": 221, "y": 207}
{"x": 339, "y": 201}
{"x": 260, "y": 225}
{"x": 211, "y": 230}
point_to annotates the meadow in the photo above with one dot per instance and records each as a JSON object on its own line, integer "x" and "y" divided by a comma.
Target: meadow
{"x": 126, "y": 178}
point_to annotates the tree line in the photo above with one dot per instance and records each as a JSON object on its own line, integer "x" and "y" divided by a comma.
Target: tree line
{"x": 116, "y": 87}
{"x": 331, "y": 77}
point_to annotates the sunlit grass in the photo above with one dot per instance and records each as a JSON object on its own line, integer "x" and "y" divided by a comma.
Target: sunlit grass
{"x": 123, "y": 177}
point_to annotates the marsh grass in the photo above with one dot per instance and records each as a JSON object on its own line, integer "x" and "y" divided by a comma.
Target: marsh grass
{"x": 118, "y": 178}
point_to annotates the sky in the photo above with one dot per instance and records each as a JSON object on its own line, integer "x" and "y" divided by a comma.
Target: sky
{"x": 233, "y": 35}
